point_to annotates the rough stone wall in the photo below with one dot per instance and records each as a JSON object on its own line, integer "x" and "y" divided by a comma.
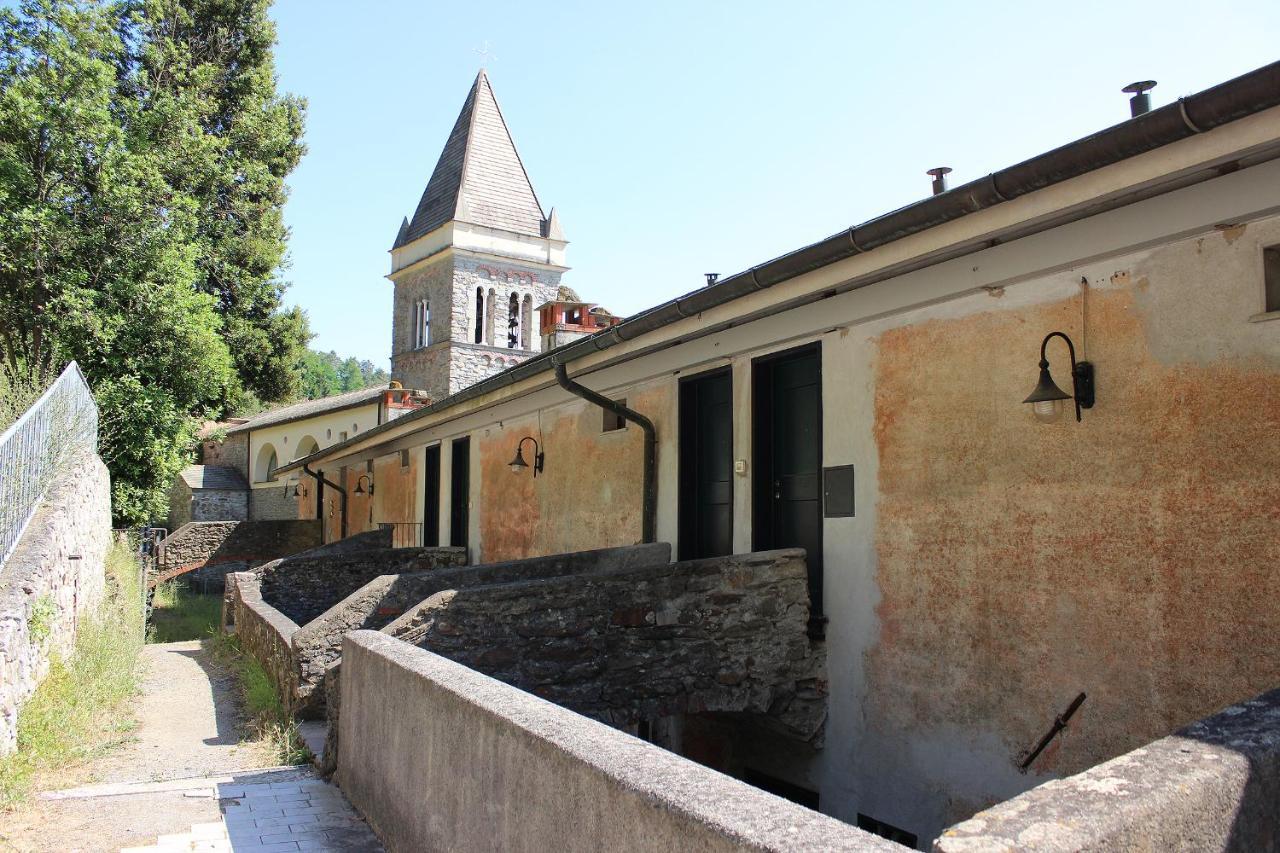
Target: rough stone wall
{"x": 586, "y": 469}
{"x": 231, "y": 452}
{"x": 272, "y": 504}
{"x": 305, "y": 586}
{"x": 219, "y": 505}
{"x": 263, "y": 632}
{"x": 390, "y": 602}
{"x": 453, "y": 361}
{"x": 439, "y": 757}
{"x": 179, "y": 504}
{"x": 211, "y": 543}
{"x": 1214, "y": 785}
{"x": 726, "y": 634}
{"x": 54, "y": 578}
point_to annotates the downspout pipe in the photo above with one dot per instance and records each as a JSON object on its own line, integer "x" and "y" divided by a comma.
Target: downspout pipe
{"x": 323, "y": 481}
{"x": 649, "y": 509}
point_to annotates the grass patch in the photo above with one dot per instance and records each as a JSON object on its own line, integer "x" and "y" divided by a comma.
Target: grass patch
{"x": 79, "y": 710}
{"x": 267, "y": 721}
{"x": 178, "y": 613}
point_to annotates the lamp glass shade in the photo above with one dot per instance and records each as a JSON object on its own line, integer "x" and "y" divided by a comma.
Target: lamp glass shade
{"x": 518, "y": 464}
{"x": 1047, "y": 411}
{"x": 359, "y": 487}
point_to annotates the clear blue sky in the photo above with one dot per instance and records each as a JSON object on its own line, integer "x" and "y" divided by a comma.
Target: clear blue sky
{"x": 677, "y": 138}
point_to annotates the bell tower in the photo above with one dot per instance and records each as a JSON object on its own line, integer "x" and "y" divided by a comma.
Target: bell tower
{"x": 474, "y": 262}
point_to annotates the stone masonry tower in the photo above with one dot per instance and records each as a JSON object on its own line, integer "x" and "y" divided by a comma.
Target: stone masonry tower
{"x": 474, "y": 263}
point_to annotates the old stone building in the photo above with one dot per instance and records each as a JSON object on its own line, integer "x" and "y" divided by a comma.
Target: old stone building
{"x": 974, "y": 564}
{"x": 475, "y": 263}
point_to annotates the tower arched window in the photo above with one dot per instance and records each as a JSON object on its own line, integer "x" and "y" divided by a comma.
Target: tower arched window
{"x": 513, "y": 322}
{"x": 479, "y": 315}
{"x": 422, "y": 324}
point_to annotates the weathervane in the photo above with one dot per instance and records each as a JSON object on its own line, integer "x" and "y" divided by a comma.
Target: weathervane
{"x": 485, "y": 56}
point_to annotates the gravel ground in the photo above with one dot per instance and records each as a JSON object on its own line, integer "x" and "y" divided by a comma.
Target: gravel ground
{"x": 188, "y": 726}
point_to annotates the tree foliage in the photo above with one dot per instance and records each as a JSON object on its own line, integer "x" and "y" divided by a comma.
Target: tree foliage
{"x": 324, "y": 374}
{"x": 143, "y": 151}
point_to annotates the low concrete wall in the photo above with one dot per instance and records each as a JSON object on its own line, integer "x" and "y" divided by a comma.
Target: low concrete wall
{"x": 264, "y": 632}
{"x": 234, "y": 545}
{"x": 55, "y": 576}
{"x": 378, "y": 603}
{"x": 304, "y": 586}
{"x": 439, "y": 757}
{"x": 1214, "y": 785}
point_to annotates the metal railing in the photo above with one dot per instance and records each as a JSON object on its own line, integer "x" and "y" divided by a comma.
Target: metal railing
{"x": 404, "y": 534}
{"x": 63, "y": 421}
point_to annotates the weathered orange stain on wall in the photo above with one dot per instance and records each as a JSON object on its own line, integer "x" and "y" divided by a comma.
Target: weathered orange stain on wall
{"x": 395, "y": 498}
{"x": 588, "y": 496}
{"x": 1134, "y": 556}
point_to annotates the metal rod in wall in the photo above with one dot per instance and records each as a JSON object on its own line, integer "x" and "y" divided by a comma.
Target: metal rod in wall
{"x": 322, "y": 482}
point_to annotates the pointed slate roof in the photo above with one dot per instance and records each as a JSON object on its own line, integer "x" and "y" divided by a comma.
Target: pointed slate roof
{"x": 479, "y": 177}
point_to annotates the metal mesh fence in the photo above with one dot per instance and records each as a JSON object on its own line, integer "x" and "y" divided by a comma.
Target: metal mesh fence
{"x": 62, "y": 422}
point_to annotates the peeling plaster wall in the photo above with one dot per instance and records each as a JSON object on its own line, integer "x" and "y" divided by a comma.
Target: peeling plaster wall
{"x": 1131, "y": 557}
{"x": 589, "y": 493}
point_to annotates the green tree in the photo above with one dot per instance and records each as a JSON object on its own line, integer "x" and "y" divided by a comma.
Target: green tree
{"x": 137, "y": 233}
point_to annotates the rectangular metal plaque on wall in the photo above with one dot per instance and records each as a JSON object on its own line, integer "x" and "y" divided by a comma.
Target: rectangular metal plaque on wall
{"x": 837, "y": 491}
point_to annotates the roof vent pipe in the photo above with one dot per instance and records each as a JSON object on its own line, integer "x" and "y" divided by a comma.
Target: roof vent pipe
{"x": 712, "y": 277}
{"x": 939, "y": 174}
{"x": 1141, "y": 101}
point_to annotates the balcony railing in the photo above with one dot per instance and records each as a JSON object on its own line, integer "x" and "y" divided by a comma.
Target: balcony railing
{"x": 404, "y": 534}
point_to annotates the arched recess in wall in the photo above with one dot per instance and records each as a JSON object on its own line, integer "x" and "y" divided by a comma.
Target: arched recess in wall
{"x": 513, "y": 321}
{"x": 526, "y": 323}
{"x": 491, "y": 311}
{"x": 265, "y": 462}
{"x": 306, "y": 446}
{"x": 479, "y": 315}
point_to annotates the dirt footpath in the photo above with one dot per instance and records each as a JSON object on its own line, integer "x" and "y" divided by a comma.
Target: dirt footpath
{"x": 188, "y": 726}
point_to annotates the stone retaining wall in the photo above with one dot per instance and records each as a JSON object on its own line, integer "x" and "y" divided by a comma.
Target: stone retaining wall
{"x": 54, "y": 577}
{"x": 726, "y": 634}
{"x": 380, "y": 602}
{"x": 306, "y": 585}
{"x": 264, "y": 633}
{"x": 235, "y": 545}
{"x": 439, "y": 757}
{"x": 1214, "y": 785}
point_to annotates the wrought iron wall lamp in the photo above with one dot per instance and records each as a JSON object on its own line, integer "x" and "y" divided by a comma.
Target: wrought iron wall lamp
{"x": 1046, "y": 400}
{"x": 518, "y": 464}
{"x": 360, "y": 484}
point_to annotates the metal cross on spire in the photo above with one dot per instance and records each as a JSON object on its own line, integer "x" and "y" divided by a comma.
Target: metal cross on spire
{"x": 485, "y": 56}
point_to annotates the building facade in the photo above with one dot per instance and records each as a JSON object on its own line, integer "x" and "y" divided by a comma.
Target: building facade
{"x": 972, "y": 569}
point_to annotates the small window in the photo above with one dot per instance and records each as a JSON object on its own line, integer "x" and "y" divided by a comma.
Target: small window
{"x": 612, "y": 420}
{"x": 887, "y": 830}
{"x": 421, "y": 324}
{"x": 1271, "y": 279}
{"x": 342, "y": 436}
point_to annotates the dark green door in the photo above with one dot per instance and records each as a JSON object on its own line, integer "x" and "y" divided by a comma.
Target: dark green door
{"x": 787, "y": 480}
{"x": 706, "y": 466}
{"x": 431, "y": 493}
{"x": 460, "y": 492}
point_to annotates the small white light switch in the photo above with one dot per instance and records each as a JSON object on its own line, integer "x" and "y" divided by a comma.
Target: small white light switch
{"x": 739, "y": 466}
